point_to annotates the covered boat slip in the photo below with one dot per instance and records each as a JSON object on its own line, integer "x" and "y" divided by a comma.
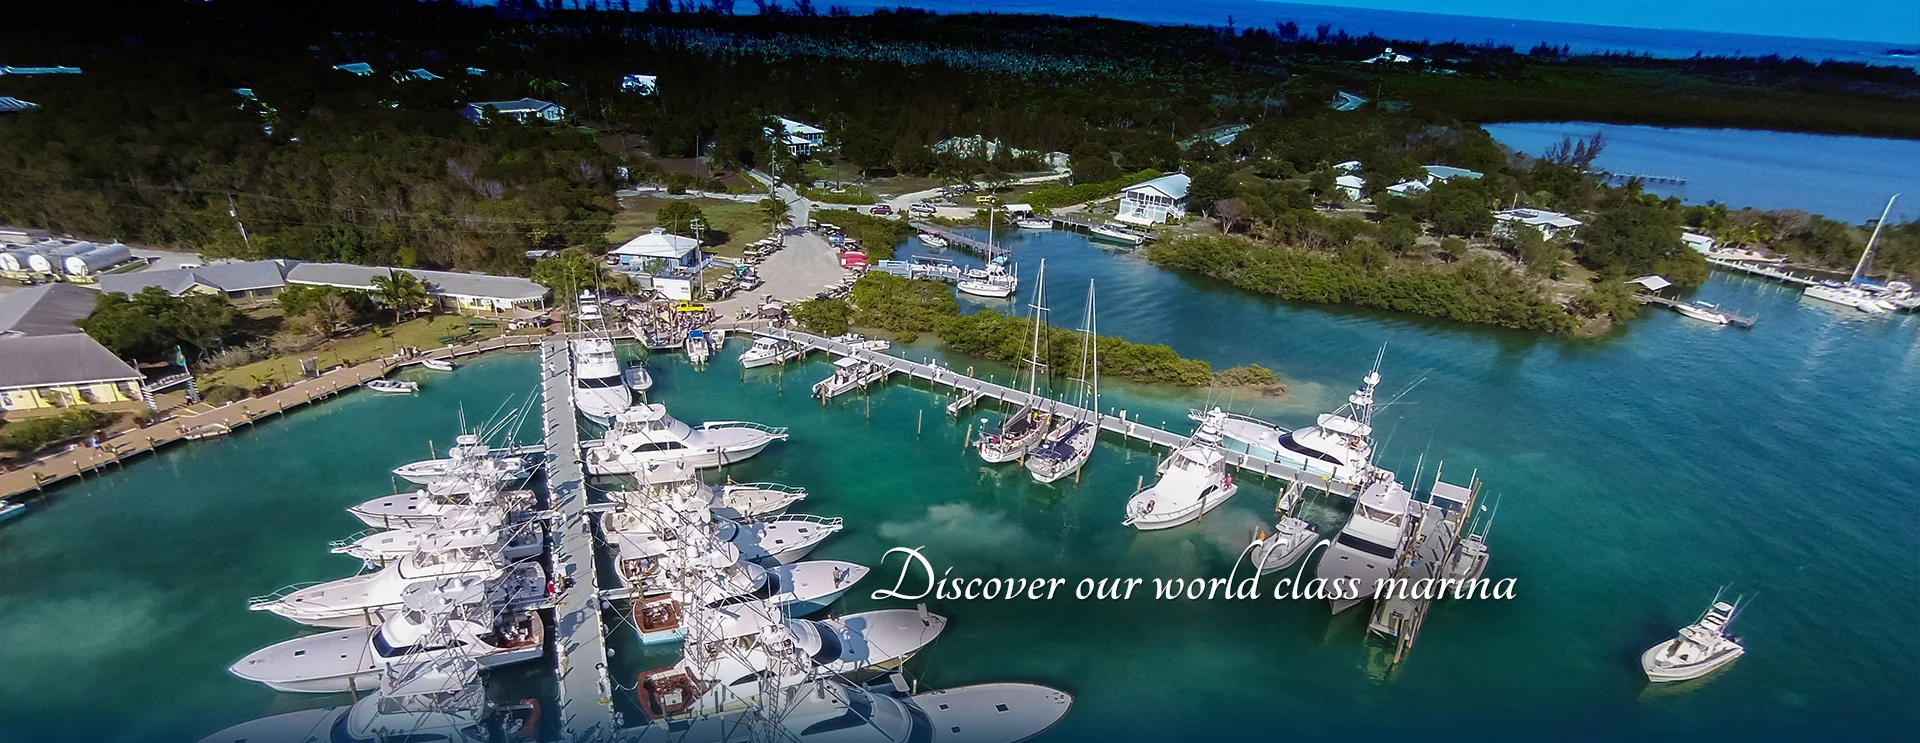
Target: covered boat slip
{"x": 969, "y": 386}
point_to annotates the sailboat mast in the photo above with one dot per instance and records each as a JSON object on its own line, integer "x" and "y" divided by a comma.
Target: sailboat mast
{"x": 1039, "y": 306}
{"x": 1093, "y": 349}
{"x": 1867, "y": 255}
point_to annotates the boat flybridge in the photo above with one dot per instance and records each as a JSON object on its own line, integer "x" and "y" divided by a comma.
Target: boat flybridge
{"x": 1369, "y": 547}
{"x": 1701, "y": 648}
{"x": 1022, "y": 431}
{"x": 1856, "y": 293}
{"x": 442, "y": 620}
{"x": 599, "y": 387}
{"x": 372, "y": 597}
{"x": 589, "y": 306}
{"x": 767, "y": 351}
{"x": 470, "y": 458}
{"x": 1193, "y": 480}
{"x": 1065, "y": 449}
{"x": 445, "y": 502}
{"x": 520, "y": 536}
{"x": 645, "y": 436}
{"x": 1338, "y": 447}
{"x": 778, "y": 540}
{"x": 669, "y": 483}
{"x": 850, "y": 373}
{"x": 423, "y": 703}
{"x": 729, "y": 656}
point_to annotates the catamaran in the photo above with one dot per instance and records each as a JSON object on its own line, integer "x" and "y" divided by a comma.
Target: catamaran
{"x": 1855, "y": 293}
{"x": 1065, "y": 449}
{"x": 1024, "y": 429}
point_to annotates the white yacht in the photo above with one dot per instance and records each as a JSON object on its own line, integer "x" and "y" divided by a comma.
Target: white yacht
{"x": 645, "y": 436}
{"x": 599, "y": 388}
{"x": 698, "y": 346}
{"x": 424, "y": 703}
{"x": 472, "y": 458}
{"x": 1065, "y": 449}
{"x": 393, "y": 386}
{"x": 636, "y": 376}
{"x": 1854, "y": 293}
{"x": 370, "y": 598}
{"x": 1701, "y": 648}
{"x": 780, "y": 540}
{"x": 824, "y": 711}
{"x": 1292, "y": 536}
{"x": 1020, "y": 432}
{"x": 933, "y": 240}
{"x": 1118, "y": 233}
{"x": 849, "y": 374}
{"x": 1193, "y": 480}
{"x": 441, "y": 503}
{"x": 441, "y": 620}
{"x": 1034, "y": 224}
{"x": 1339, "y": 446}
{"x": 767, "y": 351}
{"x": 520, "y": 539}
{"x": 1703, "y": 312}
{"x": 678, "y": 482}
{"x": 1369, "y": 546}
{"x": 995, "y": 282}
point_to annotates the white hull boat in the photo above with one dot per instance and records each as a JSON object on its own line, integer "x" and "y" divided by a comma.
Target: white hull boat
{"x": 1703, "y": 312}
{"x": 1194, "y": 481}
{"x": 1701, "y": 648}
{"x": 1369, "y": 546}
{"x": 1338, "y": 447}
{"x": 637, "y": 377}
{"x": 393, "y": 386}
{"x": 437, "y": 364}
{"x": 353, "y": 660}
{"x": 370, "y": 598}
{"x": 522, "y": 540}
{"x": 1119, "y": 235}
{"x": 782, "y": 540}
{"x": 988, "y": 713}
{"x": 849, "y": 374}
{"x": 645, "y": 437}
{"x": 1034, "y": 224}
{"x": 767, "y": 352}
{"x": 933, "y": 240}
{"x": 472, "y": 459}
{"x": 599, "y": 387}
{"x": 426, "y": 509}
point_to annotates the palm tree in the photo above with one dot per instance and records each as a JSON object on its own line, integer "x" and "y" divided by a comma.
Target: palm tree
{"x": 403, "y": 292}
{"x": 774, "y": 209}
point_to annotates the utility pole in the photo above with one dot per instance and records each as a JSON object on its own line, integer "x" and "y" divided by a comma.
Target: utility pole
{"x": 234, "y": 212}
{"x": 699, "y": 228}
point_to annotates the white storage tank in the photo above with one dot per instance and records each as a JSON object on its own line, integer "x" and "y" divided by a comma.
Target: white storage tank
{"x": 52, "y": 258}
{"x": 98, "y": 259}
{"x": 15, "y": 261}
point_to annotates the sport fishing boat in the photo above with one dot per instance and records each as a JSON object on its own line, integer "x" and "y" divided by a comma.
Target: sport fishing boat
{"x": 1701, "y": 648}
{"x": 1034, "y": 224}
{"x": 470, "y": 457}
{"x": 443, "y": 620}
{"x": 636, "y": 377}
{"x": 1118, "y": 233}
{"x": 645, "y": 436}
{"x": 589, "y": 304}
{"x": 698, "y": 346}
{"x": 370, "y": 598}
{"x": 1292, "y": 536}
{"x": 520, "y": 540}
{"x": 1702, "y": 311}
{"x": 441, "y": 503}
{"x": 1855, "y": 293}
{"x": 1339, "y": 446}
{"x": 430, "y": 702}
{"x": 767, "y": 351}
{"x": 1020, "y": 432}
{"x": 599, "y": 388}
{"x": 1064, "y": 450}
{"x": 1193, "y": 480}
{"x": 849, "y": 373}
{"x": 676, "y": 483}
{"x": 1369, "y": 546}
{"x": 933, "y": 239}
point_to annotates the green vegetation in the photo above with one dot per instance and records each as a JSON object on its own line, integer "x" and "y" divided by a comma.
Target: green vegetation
{"x": 856, "y": 196}
{"x": 401, "y": 292}
{"x": 730, "y": 225}
{"x": 223, "y": 394}
{"x": 1251, "y": 375}
{"x": 324, "y": 310}
{"x": 149, "y": 325}
{"x": 25, "y": 437}
{"x": 1477, "y": 290}
{"x": 878, "y": 236}
{"x": 1080, "y": 193}
{"x": 912, "y": 306}
{"x": 828, "y": 317}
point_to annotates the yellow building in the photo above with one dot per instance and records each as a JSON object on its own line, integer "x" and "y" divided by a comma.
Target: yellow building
{"x": 46, "y": 362}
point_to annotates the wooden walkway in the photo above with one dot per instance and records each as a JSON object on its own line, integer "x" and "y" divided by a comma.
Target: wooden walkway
{"x": 1761, "y": 269}
{"x": 957, "y": 240}
{"x": 580, "y": 641}
{"x": 80, "y": 462}
{"x": 1733, "y": 318}
{"x": 974, "y": 386}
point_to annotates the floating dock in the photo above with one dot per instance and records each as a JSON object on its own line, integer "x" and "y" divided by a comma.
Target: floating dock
{"x": 1762, "y": 269}
{"x": 975, "y": 388}
{"x": 579, "y": 638}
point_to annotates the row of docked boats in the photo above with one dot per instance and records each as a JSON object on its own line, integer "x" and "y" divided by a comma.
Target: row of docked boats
{"x": 1050, "y": 442}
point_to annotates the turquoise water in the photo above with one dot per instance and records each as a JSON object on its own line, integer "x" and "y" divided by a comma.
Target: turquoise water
{"x": 1635, "y": 474}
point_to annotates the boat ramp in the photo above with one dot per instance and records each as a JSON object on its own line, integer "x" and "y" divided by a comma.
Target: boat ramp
{"x": 976, "y": 389}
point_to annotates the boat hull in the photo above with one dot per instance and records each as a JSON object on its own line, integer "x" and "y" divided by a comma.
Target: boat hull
{"x": 985, "y": 289}
{"x": 1155, "y": 522}
{"x": 1659, "y": 673}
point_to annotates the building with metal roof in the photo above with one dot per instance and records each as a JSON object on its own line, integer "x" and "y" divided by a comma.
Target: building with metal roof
{"x": 466, "y": 292}
{"x": 522, "y": 110}
{"x": 48, "y": 309}
{"x": 250, "y": 280}
{"x": 1156, "y": 201}
{"x": 46, "y": 362}
{"x": 9, "y": 104}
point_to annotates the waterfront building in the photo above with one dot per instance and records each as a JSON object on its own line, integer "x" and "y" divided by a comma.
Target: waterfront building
{"x": 523, "y": 110}
{"x": 1434, "y": 174}
{"x": 467, "y": 293}
{"x": 46, "y": 362}
{"x": 1702, "y": 244}
{"x": 799, "y": 137}
{"x": 1550, "y": 224}
{"x": 1157, "y": 201}
{"x": 638, "y": 84}
{"x": 659, "y": 248}
{"x": 1350, "y": 185}
{"x": 242, "y": 282}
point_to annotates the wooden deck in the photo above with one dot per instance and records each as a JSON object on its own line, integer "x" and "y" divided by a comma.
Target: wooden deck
{"x": 81, "y": 461}
{"x": 976, "y": 387}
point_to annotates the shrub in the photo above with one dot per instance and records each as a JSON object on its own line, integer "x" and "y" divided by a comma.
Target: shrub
{"x": 223, "y": 394}
{"x": 33, "y": 434}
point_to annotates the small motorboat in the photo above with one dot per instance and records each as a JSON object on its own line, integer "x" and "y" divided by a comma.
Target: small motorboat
{"x": 1703, "y": 312}
{"x": 393, "y": 386}
{"x": 933, "y": 239}
{"x": 1292, "y": 536}
{"x": 206, "y": 431}
{"x": 768, "y": 351}
{"x": 1701, "y": 648}
{"x": 1034, "y": 224}
{"x": 637, "y": 377}
{"x": 437, "y": 364}
{"x": 10, "y": 510}
{"x": 1118, "y": 233}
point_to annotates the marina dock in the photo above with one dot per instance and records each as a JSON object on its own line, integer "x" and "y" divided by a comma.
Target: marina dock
{"x": 1735, "y": 319}
{"x": 976, "y": 388}
{"x": 580, "y": 642}
{"x": 1762, "y": 269}
{"x": 957, "y": 240}
{"x": 1443, "y": 529}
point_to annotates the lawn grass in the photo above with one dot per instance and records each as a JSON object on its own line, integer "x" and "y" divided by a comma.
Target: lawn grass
{"x": 741, "y": 221}
{"x": 423, "y": 333}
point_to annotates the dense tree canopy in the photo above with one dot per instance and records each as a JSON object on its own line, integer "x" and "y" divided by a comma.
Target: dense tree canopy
{"x": 150, "y": 324}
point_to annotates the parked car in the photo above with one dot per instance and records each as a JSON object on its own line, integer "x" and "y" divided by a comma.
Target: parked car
{"x": 985, "y": 199}
{"x": 882, "y": 209}
{"x": 921, "y": 208}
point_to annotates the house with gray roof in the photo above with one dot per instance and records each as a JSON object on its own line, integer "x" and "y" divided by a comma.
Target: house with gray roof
{"x": 240, "y": 282}
{"x": 462, "y": 292}
{"x": 46, "y": 362}
{"x": 1162, "y": 199}
{"x": 48, "y": 309}
{"x": 522, "y": 110}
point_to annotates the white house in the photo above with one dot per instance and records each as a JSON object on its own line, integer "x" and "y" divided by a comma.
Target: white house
{"x": 640, "y": 84}
{"x": 799, "y": 137}
{"x": 675, "y": 251}
{"x": 1350, "y": 185}
{"x": 1159, "y": 200}
{"x": 1390, "y": 57}
{"x": 1435, "y": 174}
{"x": 521, "y": 110}
{"x": 1700, "y": 243}
{"x": 1550, "y": 224}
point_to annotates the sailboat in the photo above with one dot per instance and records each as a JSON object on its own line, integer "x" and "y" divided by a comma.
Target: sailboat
{"x": 1853, "y": 293}
{"x": 1066, "y": 448}
{"x": 1022, "y": 430}
{"x": 995, "y": 281}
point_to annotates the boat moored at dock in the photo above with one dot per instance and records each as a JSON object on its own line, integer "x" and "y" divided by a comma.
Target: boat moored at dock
{"x": 1193, "y": 481}
{"x": 849, "y": 373}
{"x": 646, "y": 436}
{"x": 1370, "y": 544}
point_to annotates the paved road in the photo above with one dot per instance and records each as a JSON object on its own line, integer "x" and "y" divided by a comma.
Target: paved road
{"x": 807, "y": 266}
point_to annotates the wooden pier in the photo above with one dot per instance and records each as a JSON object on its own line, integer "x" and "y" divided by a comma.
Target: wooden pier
{"x": 977, "y": 388}
{"x": 1761, "y": 269}
{"x": 1733, "y": 318}
{"x": 579, "y": 637}
{"x": 959, "y": 241}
